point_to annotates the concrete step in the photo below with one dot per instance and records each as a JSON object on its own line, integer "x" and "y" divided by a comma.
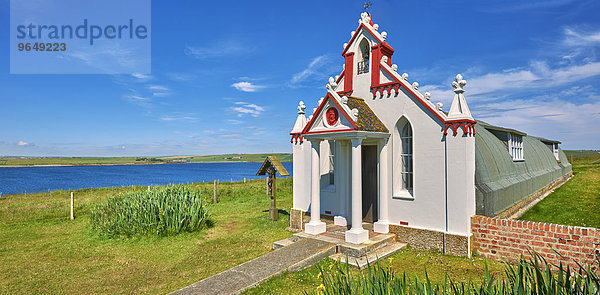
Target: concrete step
{"x": 363, "y": 249}
{"x": 371, "y": 257}
{"x": 283, "y": 243}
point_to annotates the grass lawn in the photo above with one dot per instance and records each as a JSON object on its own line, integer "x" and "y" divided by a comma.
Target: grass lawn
{"x": 576, "y": 202}
{"x": 41, "y": 251}
{"x": 412, "y": 263}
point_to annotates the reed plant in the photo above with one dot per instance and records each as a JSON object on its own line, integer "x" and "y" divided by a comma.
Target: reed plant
{"x": 162, "y": 211}
{"x": 529, "y": 276}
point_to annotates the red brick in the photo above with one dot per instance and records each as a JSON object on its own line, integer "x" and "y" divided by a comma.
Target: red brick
{"x": 539, "y": 244}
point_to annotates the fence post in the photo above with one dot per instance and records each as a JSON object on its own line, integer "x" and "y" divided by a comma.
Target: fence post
{"x": 72, "y": 206}
{"x": 215, "y": 192}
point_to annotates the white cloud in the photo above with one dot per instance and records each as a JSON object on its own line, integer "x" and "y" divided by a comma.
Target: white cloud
{"x": 22, "y": 143}
{"x": 244, "y": 108}
{"x": 141, "y": 76}
{"x": 219, "y": 49}
{"x": 318, "y": 68}
{"x": 178, "y": 118}
{"x": 549, "y": 118}
{"x": 246, "y": 86}
{"x": 580, "y": 38}
{"x": 158, "y": 88}
{"x": 235, "y": 122}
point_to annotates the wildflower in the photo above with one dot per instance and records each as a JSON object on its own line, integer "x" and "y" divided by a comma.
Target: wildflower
{"x": 331, "y": 266}
{"x": 319, "y": 276}
{"x": 321, "y": 288}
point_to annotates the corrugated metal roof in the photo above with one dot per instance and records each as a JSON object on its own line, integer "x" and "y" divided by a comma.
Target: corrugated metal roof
{"x": 501, "y": 182}
{"x": 367, "y": 120}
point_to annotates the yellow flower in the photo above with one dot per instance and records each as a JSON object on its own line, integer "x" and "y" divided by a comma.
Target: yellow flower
{"x": 331, "y": 266}
{"x": 321, "y": 288}
{"x": 319, "y": 276}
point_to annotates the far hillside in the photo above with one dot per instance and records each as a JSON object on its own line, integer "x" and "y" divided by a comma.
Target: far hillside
{"x": 86, "y": 161}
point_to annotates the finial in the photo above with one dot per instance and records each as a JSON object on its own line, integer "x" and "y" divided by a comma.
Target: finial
{"x": 427, "y": 95}
{"x": 332, "y": 82}
{"x": 384, "y": 35}
{"x": 384, "y": 59}
{"x": 367, "y": 5}
{"x": 355, "y": 114}
{"x": 345, "y": 44}
{"x": 376, "y": 27}
{"x": 352, "y": 33}
{"x": 459, "y": 84}
{"x": 344, "y": 99}
{"x": 439, "y": 106}
{"x": 415, "y": 85}
{"x": 395, "y": 67}
{"x": 405, "y": 76}
{"x": 301, "y": 108}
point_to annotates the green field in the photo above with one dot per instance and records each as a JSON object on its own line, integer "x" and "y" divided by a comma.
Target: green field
{"x": 77, "y": 161}
{"x": 42, "y": 251}
{"x": 576, "y": 202}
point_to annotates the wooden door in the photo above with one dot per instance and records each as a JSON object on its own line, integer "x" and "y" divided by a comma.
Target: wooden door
{"x": 369, "y": 183}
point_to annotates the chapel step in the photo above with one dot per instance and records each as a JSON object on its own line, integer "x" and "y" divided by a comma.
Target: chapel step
{"x": 371, "y": 257}
{"x": 373, "y": 244}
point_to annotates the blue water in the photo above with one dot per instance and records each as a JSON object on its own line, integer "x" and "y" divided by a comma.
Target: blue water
{"x": 18, "y": 180}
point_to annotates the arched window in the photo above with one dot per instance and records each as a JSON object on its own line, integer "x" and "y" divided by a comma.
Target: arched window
{"x": 403, "y": 158}
{"x": 363, "y": 58}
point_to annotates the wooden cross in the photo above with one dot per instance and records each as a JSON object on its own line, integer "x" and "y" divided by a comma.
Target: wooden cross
{"x": 367, "y": 5}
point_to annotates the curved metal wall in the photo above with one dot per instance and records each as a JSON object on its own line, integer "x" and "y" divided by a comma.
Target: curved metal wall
{"x": 501, "y": 182}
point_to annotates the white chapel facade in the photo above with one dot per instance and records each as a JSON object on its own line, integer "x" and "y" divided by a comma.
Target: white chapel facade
{"x": 377, "y": 150}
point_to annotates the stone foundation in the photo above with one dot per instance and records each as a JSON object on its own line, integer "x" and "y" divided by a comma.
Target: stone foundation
{"x": 422, "y": 239}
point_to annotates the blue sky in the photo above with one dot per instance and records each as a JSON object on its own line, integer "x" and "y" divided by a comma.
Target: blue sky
{"x": 227, "y": 75}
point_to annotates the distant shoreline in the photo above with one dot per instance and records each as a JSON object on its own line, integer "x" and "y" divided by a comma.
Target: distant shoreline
{"x": 123, "y": 164}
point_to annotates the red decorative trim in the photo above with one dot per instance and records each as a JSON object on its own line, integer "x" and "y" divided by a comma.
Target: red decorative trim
{"x": 375, "y": 65}
{"x": 348, "y": 71}
{"x": 468, "y": 127}
{"x": 331, "y": 116}
{"x": 340, "y": 77}
{"x": 319, "y": 109}
{"x": 346, "y": 93}
{"x": 296, "y": 137}
{"x": 383, "y": 87}
{"x": 403, "y": 223}
{"x": 388, "y": 47}
{"x": 329, "y": 131}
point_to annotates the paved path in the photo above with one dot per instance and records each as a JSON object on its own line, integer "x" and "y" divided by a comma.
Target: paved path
{"x": 294, "y": 257}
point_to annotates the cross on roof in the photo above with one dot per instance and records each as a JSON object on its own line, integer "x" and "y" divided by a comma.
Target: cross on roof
{"x": 367, "y": 5}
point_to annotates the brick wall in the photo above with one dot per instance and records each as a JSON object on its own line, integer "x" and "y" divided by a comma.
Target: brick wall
{"x": 504, "y": 239}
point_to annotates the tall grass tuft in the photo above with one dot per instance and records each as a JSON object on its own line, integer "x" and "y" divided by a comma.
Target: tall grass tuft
{"x": 533, "y": 276}
{"x": 162, "y": 211}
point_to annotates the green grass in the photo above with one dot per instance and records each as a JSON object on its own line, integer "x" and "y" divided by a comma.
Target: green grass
{"x": 576, "y": 202}
{"x": 42, "y": 251}
{"x": 76, "y": 161}
{"x": 413, "y": 263}
{"x": 162, "y": 211}
{"x": 533, "y": 276}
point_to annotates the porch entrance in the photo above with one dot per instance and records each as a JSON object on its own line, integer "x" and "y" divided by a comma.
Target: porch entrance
{"x": 369, "y": 183}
